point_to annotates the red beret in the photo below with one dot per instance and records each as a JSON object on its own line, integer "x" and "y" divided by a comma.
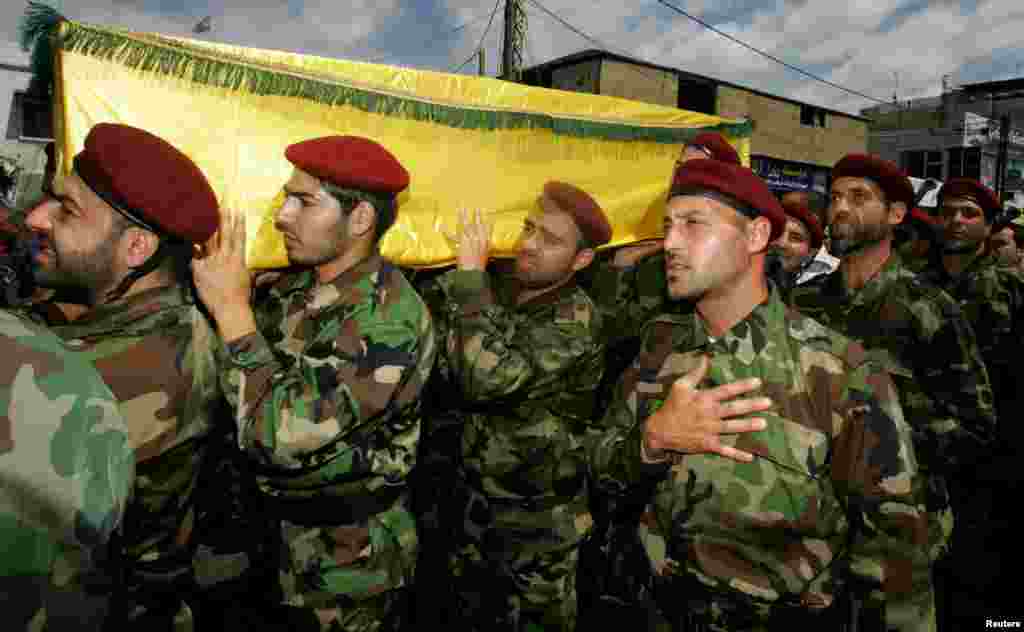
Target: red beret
{"x": 719, "y": 147}
{"x": 890, "y": 178}
{"x": 146, "y": 178}
{"x": 589, "y": 217}
{"x": 974, "y": 191}
{"x": 350, "y": 162}
{"x": 735, "y": 181}
{"x": 922, "y": 217}
{"x": 802, "y": 213}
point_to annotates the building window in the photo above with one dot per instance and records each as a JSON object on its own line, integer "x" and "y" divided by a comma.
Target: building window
{"x": 923, "y": 164}
{"x": 31, "y": 118}
{"x": 965, "y": 162}
{"x": 812, "y": 116}
{"x": 697, "y": 96}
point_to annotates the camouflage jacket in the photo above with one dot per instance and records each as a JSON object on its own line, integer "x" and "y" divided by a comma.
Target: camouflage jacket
{"x": 920, "y": 336}
{"x": 992, "y": 298}
{"x": 326, "y": 400}
{"x": 628, "y": 297}
{"x": 837, "y": 453}
{"x": 155, "y": 350}
{"x": 524, "y": 378}
{"x": 66, "y": 472}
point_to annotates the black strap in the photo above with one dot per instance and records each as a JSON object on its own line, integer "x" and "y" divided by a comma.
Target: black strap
{"x": 325, "y": 509}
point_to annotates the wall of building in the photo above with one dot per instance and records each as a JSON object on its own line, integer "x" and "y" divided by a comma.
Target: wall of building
{"x": 581, "y": 77}
{"x": 10, "y": 82}
{"x": 25, "y": 160}
{"x": 779, "y": 133}
{"x": 630, "y": 81}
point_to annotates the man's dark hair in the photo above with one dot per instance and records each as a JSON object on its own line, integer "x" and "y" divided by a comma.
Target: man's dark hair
{"x": 383, "y": 205}
{"x": 173, "y": 256}
{"x": 583, "y": 243}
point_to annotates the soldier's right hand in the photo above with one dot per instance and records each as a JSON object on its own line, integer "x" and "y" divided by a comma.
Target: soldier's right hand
{"x": 692, "y": 421}
{"x": 629, "y": 255}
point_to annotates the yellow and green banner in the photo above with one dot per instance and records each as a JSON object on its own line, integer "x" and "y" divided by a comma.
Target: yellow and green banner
{"x": 468, "y": 142}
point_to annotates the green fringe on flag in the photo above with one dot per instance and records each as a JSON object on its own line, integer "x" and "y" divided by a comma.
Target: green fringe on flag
{"x": 35, "y": 34}
{"x": 177, "y": 59}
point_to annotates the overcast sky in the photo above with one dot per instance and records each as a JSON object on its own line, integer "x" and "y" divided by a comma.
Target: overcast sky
{"x": 877, "y": 47}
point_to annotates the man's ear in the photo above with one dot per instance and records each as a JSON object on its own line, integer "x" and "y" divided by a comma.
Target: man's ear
{"x": 759, "y": 234}
{"x": 138, "y": 245}
{"x": 897, "y": 211}
{"x": 583, "y": 259}
{"x": 362, "y": 220}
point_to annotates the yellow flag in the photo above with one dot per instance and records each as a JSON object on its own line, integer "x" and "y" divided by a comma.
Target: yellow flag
{"x": 468, "y": 142}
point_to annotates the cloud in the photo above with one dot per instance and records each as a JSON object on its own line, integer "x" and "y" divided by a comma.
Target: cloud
{"x": 322, "y": 27}
{"x": 870, "y": 46}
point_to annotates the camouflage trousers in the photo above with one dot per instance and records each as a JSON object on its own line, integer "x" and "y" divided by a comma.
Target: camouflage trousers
{"x": 501, "y": 588}
{"x": 940, "y": 515}
{"x": 350, "y": 575}
{"x": 687, "y": 606}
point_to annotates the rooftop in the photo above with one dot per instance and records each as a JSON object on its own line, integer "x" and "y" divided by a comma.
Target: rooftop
{"x": 1006, "y": 85}
{"x": 596, "y": 53}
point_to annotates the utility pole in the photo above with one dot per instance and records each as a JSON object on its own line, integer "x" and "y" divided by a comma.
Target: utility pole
{"x": 1002, "y": 158}
{"x": 514, "y": 41}
{"x": 483, "y": 63}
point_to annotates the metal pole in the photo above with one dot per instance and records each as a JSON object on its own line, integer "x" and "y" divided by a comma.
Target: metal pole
{"x": 1002, "y": 159}
{"x": 483, "y": 63}
{"x": 514, "y": 40}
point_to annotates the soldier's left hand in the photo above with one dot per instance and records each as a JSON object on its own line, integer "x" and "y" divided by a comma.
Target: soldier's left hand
{"x": 223, "y": 281}
{"x": 474, "y": 242}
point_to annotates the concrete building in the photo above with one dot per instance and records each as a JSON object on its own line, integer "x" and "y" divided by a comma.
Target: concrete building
{"x": 956, "y": 134}
{"x": 27, "y": 127}
{"x": 793, "y": 145}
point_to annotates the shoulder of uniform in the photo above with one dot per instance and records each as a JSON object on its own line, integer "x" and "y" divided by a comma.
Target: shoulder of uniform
{"x": 807, "y": 293}
{"x": 822, "y": 341}
{"x": 1010, "y": 275}
{"x": 27, "y": 334}
{"x": 922, "y": 296}
{"x": 409, "y": 294}
{"x": 674, "y": 329}
{"x": 577, "y": 307}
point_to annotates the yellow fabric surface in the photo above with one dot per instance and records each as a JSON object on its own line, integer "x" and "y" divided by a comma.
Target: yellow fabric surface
{"x": 238, "y": 138}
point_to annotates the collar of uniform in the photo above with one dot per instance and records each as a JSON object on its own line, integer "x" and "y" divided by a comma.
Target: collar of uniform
{"x": 876, "y": 286}
{"x": 349, "y": 277}
{"x": 937, "y": 274}
{"x": 306, "y": 280}
{"x": 508, "y": 290}
{"x": 136, "y": 315}
{"x": 747, "y": 338}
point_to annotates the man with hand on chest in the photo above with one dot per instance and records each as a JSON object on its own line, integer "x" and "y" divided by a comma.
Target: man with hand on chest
{"x": 802, "y": 519}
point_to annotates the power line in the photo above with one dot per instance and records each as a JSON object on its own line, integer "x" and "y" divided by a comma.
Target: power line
{"x": 593, "y": 40}
{"x": 768, "y": 55}
{"x": 566, "y": 24}
{"x": 444, "y": 36}
{"x": 480, "y": 46}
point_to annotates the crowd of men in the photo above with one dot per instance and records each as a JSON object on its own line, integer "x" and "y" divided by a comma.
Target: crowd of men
{"x": 752, "y": 424}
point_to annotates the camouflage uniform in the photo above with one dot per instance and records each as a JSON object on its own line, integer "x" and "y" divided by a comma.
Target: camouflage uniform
{"x": 155, "y": 350}
{"x": 628, "y": 297}
{"x": 992, "y": 298}
{"x": 66, "y": 471}
{"x": 523, "y": 379}
{"x": 326, "y": 400}
{"x": 919, "y": 335}
{"x": 825, "y": 506}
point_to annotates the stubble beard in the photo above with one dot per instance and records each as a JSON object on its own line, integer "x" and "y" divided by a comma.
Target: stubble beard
{"x": 858, "y": 239}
